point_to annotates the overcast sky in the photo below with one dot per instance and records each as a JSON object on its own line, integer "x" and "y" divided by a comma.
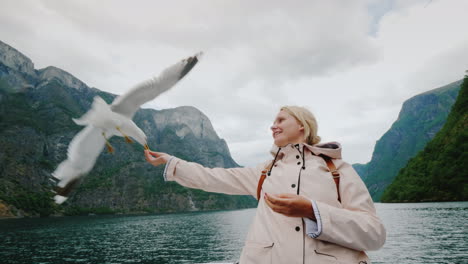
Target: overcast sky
{"x": 352, "y": 63}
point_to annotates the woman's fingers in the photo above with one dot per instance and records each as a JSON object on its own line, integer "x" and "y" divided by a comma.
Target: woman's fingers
{"x": 277, "y": 199}
{"x": 270, "y": 203}
{"x": 148, "y": 156}
{"x": 290, "y": 205}
{"x": 274, "y": 203}
{"x": 155, "y": 158}
{"x": 155, "y": 153}
{"x": 277, "y": 208}
{"x": 287, "y": 195}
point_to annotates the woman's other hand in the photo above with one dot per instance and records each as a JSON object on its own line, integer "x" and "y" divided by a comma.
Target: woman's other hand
{"x": 156, "y": 158}
{"x": 290, "y": 205}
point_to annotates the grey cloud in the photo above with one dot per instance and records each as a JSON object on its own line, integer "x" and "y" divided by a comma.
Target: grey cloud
{"x": 260, "y": 55}
{"x": 306, "y": 39}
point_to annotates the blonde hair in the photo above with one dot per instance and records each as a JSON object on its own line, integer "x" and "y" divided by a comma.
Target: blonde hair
{"x": 306, "y": 119}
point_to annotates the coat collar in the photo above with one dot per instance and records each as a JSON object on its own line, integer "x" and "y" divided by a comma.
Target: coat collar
{"x": 330, "y": 149}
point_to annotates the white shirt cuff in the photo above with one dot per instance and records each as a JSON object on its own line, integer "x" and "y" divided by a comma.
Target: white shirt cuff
{"x": 314, "y": 228}
{"x": 167, "y": 166}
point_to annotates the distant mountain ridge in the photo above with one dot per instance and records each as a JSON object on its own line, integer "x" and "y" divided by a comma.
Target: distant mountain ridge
{"x": 36, "y": 107}
{"x": 438, "y": 173}
{"x": 51, "y": 72}
{"x": 420, "y": 118}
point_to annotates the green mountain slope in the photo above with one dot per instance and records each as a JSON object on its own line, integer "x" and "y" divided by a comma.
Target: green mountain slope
{"x": 420, "y": 118}
{"x": 36, "y": 111}
{"x": 438, "y": 173}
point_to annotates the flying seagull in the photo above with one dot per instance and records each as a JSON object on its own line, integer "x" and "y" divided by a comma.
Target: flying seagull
{"x": 103, "y": 121}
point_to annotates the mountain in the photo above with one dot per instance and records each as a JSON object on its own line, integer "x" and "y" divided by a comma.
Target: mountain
{"x": 36, "y": 111}
{"x": 438, "y": 173}
{"x": 420, "y": 118}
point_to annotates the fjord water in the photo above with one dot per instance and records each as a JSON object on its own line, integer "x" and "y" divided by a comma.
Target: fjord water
{"x": 416, "y": 233}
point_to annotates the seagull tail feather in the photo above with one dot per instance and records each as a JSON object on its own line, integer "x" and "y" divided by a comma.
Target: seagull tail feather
{"x": 59, "y": 199}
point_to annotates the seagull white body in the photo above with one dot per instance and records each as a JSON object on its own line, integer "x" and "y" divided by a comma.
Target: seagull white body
{"x": 103, "y": 121}
{"x": 101, "y": 116}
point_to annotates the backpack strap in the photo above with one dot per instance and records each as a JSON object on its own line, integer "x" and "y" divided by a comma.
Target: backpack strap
{"x": 331, "y": 167}
{"x": 260, "y": 183}
{"x": 335, "y": 174}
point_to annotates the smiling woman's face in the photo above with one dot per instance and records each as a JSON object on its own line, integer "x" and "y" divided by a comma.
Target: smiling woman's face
{"x": 287, "y": 130}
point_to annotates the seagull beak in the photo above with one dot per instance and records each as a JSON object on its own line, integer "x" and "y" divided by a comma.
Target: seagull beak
{"x": 146, "y": 147}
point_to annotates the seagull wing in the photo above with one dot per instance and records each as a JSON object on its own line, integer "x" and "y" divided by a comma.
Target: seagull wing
{"x": 83, "y": 151}
{"x": 128, "y": 103}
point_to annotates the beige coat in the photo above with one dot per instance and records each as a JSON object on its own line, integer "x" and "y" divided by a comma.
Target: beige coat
{"x": 348, "y": 228}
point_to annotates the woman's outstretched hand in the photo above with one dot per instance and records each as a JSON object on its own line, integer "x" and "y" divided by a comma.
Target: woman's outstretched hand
{"x": 290, "y": 205}
{"x": 156, "y": 158}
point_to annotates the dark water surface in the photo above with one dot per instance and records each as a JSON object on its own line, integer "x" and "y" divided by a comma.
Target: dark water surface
{"x": 424, "y": 233}
{"x": 416, "y": 233}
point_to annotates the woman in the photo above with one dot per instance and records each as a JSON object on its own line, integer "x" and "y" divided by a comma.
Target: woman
{"x": 300, "y": 218}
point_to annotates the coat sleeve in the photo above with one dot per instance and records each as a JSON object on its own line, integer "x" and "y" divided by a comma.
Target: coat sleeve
{"x": 240, "y": 181}
{"x": 355, "y": 225}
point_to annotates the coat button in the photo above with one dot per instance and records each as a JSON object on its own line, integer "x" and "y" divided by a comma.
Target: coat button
{"x": 298, "y": 228}
{"x": 293, "y": 185}
{"x": 298, "y": 163}
{"x": 297, "y": 157}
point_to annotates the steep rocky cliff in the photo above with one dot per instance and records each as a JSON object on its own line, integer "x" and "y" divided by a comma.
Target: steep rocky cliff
{"x": 420, "y": 118}
{"x": 438, "y": 173}
{"x": 36, "y": 107}
{"x": 15, "y": 68}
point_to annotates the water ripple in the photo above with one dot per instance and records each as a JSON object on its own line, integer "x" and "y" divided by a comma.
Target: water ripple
{"x": 416, "y": 233}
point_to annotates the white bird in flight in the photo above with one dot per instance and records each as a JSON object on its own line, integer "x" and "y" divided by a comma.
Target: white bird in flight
{"x": 103, "y": 121}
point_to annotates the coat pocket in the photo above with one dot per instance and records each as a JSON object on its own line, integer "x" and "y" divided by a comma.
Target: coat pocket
{"x": 257, "y": 252}
{"x": 339, "y": 254}
{"x": 326, "y": 258}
